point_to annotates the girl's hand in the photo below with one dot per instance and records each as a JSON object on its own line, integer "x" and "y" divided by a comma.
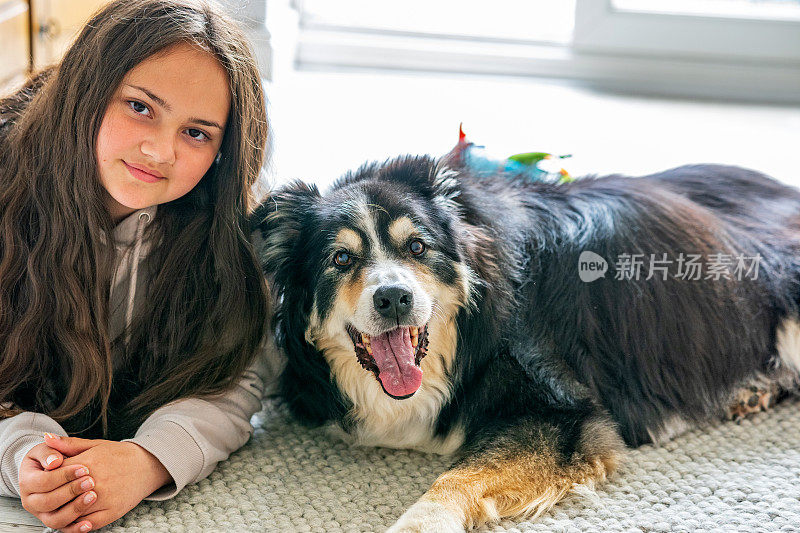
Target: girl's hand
{"x": 55, "y": 494}
{"x": 125, "y": 474}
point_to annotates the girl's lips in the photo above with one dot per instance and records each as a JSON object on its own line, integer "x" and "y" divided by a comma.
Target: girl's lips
{"x": 141, "y": 174}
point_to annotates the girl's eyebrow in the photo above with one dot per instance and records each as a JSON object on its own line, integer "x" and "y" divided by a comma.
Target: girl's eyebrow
{"x": 160, "y": 101}
{"x": 205, "y": 122}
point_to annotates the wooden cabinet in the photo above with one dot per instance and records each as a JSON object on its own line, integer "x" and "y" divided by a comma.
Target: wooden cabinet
{"x": 36, "y": 33}
{"x": 56, "y": 23}
{"x": 14, "y": 41}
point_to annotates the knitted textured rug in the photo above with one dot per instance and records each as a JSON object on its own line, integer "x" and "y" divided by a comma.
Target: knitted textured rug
{"x": 732, "y": 477}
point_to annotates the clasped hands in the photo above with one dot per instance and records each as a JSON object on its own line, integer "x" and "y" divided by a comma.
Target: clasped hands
{"x": 77, "y": 485}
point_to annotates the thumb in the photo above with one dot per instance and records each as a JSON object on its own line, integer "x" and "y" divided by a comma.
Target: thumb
{"x": 69, "y": 446}
{"x": 49, "y": 458}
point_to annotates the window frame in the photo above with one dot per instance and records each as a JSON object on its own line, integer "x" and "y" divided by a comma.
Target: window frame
{"x": 603, "y": 54}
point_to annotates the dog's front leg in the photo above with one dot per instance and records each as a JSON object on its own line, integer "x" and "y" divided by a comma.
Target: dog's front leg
{"x": 520, "y": 470}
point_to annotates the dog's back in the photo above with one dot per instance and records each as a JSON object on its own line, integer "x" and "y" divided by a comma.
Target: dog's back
{"x": 702, "y": 272}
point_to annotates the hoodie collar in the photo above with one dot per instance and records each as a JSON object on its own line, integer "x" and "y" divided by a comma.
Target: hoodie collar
{"x": 125, "y": 231}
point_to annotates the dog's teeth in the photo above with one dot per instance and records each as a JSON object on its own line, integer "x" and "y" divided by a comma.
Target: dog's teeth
{"x": 414, "y": 332}
{"x": 365, "y": 339}
{"x": 369, "y": 349}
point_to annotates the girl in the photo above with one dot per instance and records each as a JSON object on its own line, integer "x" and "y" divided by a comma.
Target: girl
{"x": 132, "y": 307}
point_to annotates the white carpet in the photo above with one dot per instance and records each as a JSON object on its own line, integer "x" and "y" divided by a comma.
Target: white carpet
{"x": 728, "y": 478}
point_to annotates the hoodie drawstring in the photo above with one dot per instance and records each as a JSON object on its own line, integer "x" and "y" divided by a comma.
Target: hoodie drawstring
{"x": 144, "y": 218}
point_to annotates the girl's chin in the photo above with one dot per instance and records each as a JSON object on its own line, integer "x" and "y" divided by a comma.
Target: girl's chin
{"x": 120, "y": 207}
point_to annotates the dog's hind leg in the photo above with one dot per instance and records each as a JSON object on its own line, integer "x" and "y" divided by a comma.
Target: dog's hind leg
{"x": 763, "y": 391}
{"x": 518, "y": 471}
{"x": 758, "y": 395}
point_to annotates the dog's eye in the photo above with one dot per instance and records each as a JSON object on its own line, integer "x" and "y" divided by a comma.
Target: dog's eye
{"x": 417, "y": 247}
{"x": 342, "y": 258}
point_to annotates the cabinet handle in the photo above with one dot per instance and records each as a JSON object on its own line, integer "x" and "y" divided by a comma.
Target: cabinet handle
{"x": 50, "y": 29}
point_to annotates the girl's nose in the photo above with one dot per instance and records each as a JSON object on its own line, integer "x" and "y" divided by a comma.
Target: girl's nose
{"x": 160, "y": 147}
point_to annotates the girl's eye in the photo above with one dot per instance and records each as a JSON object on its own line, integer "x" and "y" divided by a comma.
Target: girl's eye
{"x": 417, "y": 247}
{"x": 342, "y": 258}
{"x": 139, "y": 108}
{"x": 196, "y": 134}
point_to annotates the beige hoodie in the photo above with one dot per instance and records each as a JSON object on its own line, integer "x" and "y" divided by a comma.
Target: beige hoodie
{"x": 188, "y": 436}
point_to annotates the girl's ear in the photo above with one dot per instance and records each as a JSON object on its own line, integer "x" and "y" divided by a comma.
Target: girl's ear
{"x": 278, "y": 223}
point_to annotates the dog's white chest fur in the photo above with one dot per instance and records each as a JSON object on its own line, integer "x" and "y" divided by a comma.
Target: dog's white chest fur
{"x": 408, "y": 423}
{"x": 384, "y": 421}
{"x": 413, "y": 435}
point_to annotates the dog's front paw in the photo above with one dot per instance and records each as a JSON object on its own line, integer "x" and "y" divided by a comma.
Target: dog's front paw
{"x": 428, "y": 517}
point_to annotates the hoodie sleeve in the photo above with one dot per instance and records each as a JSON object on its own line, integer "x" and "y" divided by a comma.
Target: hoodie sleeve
{"x": 189, "y": 437}
{"x": 18, "y": 435}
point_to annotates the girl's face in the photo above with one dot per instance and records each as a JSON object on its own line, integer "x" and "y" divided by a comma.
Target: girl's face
{"x": 162, "y": 129}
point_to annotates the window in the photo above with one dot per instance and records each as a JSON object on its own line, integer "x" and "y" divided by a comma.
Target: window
{"x": 740, "y": 49}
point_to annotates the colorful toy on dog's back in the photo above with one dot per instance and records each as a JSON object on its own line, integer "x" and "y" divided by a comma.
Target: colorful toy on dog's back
{"x": 530, "y": 165}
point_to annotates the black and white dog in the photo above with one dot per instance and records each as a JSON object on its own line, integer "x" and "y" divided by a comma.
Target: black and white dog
{"x": 533, "y": 328}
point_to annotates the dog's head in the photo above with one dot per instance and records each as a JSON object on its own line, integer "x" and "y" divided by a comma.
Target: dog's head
{"x": 374, "y": 272}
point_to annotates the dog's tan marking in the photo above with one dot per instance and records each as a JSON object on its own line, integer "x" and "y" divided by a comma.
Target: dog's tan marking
{"x": 508, "y": 488}
{"x": 351, "y": 292}
{"x": 400, "y": 230}
{"x": 349, "y": 240}
{"x": 523, "y": 480}
{"x": 448, "y": 299}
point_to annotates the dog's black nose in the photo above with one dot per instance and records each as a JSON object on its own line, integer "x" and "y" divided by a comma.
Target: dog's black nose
{"x": 393, "y": 301}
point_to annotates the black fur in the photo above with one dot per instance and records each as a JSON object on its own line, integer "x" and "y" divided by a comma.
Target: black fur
{"x": 537, "y": 341}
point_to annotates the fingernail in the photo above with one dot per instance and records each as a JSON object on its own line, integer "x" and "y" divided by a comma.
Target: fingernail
{"x": 88, "y": 484}
{"x": 51, "y": 436}
{"x": 50, "y": 460}
{"x": 86, "y": 526}
{"x": 83, "y": 471}
{"x": 90, "y": 497}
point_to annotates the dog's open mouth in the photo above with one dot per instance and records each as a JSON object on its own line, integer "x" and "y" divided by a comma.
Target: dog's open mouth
{"x": 394, "y": 357}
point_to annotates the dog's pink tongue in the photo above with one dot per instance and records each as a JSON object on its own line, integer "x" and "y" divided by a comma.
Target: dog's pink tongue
{"x": 394, "y": 356}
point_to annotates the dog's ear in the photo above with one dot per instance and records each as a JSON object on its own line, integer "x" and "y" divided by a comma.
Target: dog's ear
{"x": 444, "y": 183}
{"x": 483, "y": 253}
{"x": 277, "y": 224}
{"x": 279, "y": 236}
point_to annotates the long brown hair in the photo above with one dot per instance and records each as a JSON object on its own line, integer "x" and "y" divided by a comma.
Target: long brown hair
{"x": 207, "y": 302}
